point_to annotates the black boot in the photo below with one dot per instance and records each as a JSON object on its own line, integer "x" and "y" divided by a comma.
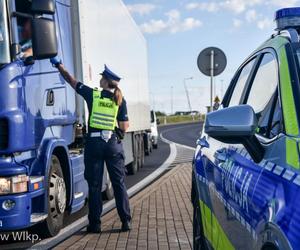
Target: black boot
{"x": 126, "y": 226}
{"x": 93, "y": 229}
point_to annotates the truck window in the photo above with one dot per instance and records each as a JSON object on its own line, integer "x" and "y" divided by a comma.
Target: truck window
{"x": 24, "y": 28}
{"x": 263, "y": 97}
{"x": 240, "y": 83}
{"x": 4, "y": 43}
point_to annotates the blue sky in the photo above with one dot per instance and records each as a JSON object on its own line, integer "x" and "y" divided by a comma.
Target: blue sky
{"x": 176, "y": 32}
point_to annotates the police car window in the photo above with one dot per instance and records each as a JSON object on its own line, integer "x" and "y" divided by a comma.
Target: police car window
{"x": 277, "y": 125}
{"x": 240, "y": 83}
{"x": 264, "y": 83}
{"x": 270, "y": 118}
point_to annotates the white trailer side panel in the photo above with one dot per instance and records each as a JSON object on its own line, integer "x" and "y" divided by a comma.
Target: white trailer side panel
{"x": 108, "y": 35}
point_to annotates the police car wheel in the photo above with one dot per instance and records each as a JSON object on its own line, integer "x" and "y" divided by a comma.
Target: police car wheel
{"x": 57, "y": 199}
{"x": 198, "y": 237}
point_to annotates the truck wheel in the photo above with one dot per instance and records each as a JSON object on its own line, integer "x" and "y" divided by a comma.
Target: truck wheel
{"x": 57, "y": 199}
{"x": 109, "y": 192}
{"x": 133, "y": 166}
{"x": 199, "y": 242}
{"x": 147, "y": 144}
{"x": 142, "y": 152}
{"x": 155, "y": 146}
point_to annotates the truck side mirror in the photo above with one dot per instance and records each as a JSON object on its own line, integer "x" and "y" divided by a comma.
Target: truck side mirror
{"x": 43, "y": 7}
{"x": 157, "y": 121}
{"x": 44, "y": 42}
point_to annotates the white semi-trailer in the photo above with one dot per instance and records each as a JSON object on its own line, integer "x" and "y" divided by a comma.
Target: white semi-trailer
{"x": 105, "y": 33}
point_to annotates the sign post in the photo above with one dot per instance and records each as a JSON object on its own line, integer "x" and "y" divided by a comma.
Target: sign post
{"x": 212, "y": 55}
{"x": 212, "y": 62}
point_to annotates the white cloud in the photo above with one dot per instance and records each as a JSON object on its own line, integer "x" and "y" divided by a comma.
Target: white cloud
{"x": 141, "y": 8}
{"x": 190, "y": 23}
{"x": 251, "y": 16}
{"x": 173, "y": 14}
{"x": 173, "y": 24}
{"x": 265, "y": 23}
{"x": 239, "y": 6}
{"x": 154, "y": 26}
{"x": 237, "y": 23}
{"x": 236, "y": 6}
{"x": 283, "y": 3}
{"x": 207, "y": 6}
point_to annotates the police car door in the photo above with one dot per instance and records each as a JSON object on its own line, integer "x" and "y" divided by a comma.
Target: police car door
{"x": 275, "y": 199}
{"x": 235, "y": 174}
{"x": 226, "y": 183}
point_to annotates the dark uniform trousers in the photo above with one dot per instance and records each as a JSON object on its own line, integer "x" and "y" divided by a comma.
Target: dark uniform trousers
{"x": 97, "y": 151}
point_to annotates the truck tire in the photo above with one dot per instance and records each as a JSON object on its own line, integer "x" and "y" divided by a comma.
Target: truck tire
{"x": 142, "y": 152}
{"x": 57, "y": 199}
{"x": 132, "y": 167}
{"x": 147, "y": 144}
{"x": 155, "y": 146}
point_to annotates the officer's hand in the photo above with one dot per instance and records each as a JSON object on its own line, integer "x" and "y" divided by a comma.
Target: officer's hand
{"x": 55, "y": 61}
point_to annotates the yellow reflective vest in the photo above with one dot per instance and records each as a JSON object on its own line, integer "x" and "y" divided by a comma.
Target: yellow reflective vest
{"x": 104, "y": 112}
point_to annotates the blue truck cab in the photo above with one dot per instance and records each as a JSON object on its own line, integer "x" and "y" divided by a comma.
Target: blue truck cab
{"x": 246, "y": 170}
{"x": 41, "y": 173}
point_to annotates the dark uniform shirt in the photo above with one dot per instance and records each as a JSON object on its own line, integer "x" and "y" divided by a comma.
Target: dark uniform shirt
{"x": 87, "y": 93}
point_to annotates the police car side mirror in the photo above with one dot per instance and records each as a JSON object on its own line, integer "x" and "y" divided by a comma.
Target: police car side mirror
{"x": 235, "y": 125}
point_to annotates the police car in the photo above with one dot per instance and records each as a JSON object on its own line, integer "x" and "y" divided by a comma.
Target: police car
{"x": 246, "y": 170}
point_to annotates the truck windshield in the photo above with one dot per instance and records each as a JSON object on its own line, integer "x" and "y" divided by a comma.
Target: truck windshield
{"x": 4, "y": 43}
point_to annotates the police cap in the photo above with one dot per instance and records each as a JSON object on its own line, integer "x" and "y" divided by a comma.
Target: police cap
{"x": 109, "y": 74}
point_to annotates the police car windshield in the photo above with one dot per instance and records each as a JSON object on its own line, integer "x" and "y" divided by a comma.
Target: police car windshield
{"x": 4, "y": 43}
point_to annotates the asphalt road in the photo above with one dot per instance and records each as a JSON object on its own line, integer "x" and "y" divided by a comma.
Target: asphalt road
{"x": 185, "y": 134}
{"x": 152, "y": 162}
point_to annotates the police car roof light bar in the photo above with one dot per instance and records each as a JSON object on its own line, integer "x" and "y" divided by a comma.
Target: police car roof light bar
{"x": 288, "y": 18}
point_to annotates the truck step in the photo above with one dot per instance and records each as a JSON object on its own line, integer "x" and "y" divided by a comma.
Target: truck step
{"x": 78, "y": 195}
{"x": 37, "y": 217}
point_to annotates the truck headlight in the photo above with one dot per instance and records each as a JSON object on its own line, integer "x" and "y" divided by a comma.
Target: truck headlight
{"x": 15, "y": 184}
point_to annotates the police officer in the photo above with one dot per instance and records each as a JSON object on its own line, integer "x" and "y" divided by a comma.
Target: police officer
{"x": 107, "y": 108}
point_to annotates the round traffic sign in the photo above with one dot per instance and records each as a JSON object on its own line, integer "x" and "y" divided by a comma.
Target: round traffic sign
{"x": 219, "y": 61}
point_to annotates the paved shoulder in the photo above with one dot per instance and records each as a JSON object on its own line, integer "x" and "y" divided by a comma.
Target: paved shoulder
{"x": 162, "y": 218}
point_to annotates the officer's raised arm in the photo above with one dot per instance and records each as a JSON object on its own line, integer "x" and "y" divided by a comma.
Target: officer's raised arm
{"x": 66, "y": 75}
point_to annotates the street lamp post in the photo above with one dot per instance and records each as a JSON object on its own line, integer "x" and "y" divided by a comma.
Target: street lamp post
{"x": 187, "y": 93}
{"x": 171, "y": 100}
